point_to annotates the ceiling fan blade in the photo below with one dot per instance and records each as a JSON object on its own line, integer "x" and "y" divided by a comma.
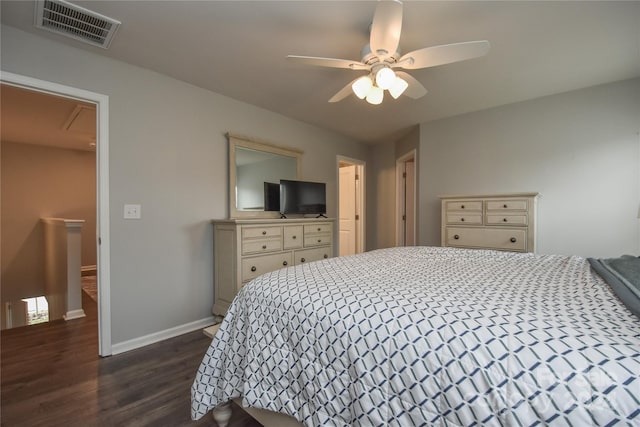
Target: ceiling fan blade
{"x": 415, "y": 89}
{"x": 344, "y": 92}
{"x": 386, "y": 28}
{"x": 443, "y": 54}
{"x": 328, "y": 62}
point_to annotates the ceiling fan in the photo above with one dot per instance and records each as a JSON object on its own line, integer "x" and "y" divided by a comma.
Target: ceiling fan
{"x": 381, "y": 57}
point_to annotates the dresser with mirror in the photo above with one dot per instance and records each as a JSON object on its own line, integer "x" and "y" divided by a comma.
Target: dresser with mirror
{"x": 254, "y": 241}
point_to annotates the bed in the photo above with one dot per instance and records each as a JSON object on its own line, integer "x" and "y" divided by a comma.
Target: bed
{"x": 429, "y": 336}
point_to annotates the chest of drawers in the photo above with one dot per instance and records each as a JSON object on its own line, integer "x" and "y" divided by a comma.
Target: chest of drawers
{"x": 245, "y": 248}
{"x": 502, "y": 222}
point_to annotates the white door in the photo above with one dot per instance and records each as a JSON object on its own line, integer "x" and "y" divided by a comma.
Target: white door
{"x": 409, "y": 200}
{"x": 406, "y": 171}
{"x": 347, "y": 210}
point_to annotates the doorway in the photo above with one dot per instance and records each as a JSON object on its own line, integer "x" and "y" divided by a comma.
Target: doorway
{"x": 351, "y": 174}
{"x": 406, "y": 199}
{"x": 101, "y": 103}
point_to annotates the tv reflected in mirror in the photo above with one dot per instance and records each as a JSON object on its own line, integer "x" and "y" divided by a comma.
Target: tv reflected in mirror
{"x": 271, "y": 197}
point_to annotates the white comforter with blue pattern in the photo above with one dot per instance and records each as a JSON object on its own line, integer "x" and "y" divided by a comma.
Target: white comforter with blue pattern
{"x": 429, "y": 336}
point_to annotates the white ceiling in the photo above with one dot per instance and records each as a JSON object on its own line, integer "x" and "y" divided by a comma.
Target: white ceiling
{"x": 238, "y": 49}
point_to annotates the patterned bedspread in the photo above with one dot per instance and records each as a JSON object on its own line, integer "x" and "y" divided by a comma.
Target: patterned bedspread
{"x": 429, "y": 336}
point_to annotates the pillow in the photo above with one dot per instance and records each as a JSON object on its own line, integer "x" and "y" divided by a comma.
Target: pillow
{"x": 623, "y": 275}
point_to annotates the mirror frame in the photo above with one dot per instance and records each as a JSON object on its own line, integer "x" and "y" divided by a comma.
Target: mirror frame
{"x": 236, "y": 141}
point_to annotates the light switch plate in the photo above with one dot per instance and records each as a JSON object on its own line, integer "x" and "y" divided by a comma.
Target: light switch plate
{"x": 132, "y": 212}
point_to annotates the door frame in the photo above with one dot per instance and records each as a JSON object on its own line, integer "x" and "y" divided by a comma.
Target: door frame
{"x": 103, "y": 267}
{"x": 360, "y": 200}
{"x": 400, "y": 196}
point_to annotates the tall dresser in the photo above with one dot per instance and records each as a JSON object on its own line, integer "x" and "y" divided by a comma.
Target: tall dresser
{"x": 246, "y": 248}
{"x": 502, "y": 221}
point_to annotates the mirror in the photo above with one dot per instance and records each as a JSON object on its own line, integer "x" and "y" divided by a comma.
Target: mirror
{"x": 251, "y": 164}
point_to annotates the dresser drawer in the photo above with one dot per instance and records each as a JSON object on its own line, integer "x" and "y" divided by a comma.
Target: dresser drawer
{"x": 261, "y": 245}
{"x": 254, "y": 266}
{"x": 293, "y": 236}
{"x": 317, "y": 228}
{"x": 490, "y": 238}
{"x": 460, "y": 218}
{"x": 466, "y": 205}
{"x": 246, "y": 248}
{"x": 507, "y": 220}
{"x": 255, "y": 232}
{"x": 507, "y": 205}
{"x": 317, "y": 240}
{"x": 314, "y": 254}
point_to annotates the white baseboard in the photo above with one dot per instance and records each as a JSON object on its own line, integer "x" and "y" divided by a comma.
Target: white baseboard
{"x": 74, "y": 314}
{"x": 155, "y": 337}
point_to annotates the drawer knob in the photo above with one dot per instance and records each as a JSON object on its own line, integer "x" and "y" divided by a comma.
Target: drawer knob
{"x": 302, "y": 260}
{"x": 285, "y": 263}
{"x": 264, "y": 246}
{"x": 461, "y": 219}
{"x": 319, "y": 240}
{"x": 504, "y": 206}
{"x": 461, "y": 206}
{"x": 456, "y": 237}
{"x": 253, "y": 268}
{"x": 326, "y": 256}
{"x": 319, "y": 229}
{"x": 294, "y": 237}
{"x": 513, "y": 240}
{"x": 504, "y": 219}
{"x": 264, "y": 232}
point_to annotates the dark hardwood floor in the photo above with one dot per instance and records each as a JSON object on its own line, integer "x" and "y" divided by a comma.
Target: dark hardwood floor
{"x": 51, "y": 375}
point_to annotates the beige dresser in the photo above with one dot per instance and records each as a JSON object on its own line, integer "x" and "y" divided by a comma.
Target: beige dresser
{"x": 502, "y": 221}
{"x": 246, "y": 248}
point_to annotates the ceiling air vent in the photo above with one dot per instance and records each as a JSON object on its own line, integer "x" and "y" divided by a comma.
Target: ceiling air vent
{"x": 76, "y": 22}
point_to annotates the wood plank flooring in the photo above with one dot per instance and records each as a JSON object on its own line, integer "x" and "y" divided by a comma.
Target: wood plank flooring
{"x": 51, "y": 375}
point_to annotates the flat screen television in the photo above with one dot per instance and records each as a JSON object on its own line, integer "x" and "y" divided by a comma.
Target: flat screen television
{"x": 303, "y": 197}
{"x": 271, "y": 196}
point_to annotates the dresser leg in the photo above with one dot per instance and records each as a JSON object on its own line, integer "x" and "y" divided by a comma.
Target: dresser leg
{"x": 222, "y": 414}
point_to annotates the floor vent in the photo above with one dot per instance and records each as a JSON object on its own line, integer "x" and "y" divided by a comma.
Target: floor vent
{"x": 76, "y": 22}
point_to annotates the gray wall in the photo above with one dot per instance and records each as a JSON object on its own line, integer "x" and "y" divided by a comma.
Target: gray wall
{"x": 409, "y": 142}
{"x": 39, "y": 182}
{"x": 580, "y": 150}
{"x": 381, "y": 198}
{"x": 168, "y": 152}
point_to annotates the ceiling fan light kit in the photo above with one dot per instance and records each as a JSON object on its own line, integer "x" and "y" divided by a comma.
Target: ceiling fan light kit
{"x": 381, "y": 56}
{"x": 386, "y": 79}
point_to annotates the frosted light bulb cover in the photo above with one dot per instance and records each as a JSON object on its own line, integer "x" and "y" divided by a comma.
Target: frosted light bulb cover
{"x": 385, "y": 78}
{"x": 362, "y": 86}
{"x": 375, "y": 95}
{"x": 398, "y": 87}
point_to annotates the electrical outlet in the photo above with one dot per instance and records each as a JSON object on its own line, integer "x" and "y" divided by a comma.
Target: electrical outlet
{"x": 132, "y": 212}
